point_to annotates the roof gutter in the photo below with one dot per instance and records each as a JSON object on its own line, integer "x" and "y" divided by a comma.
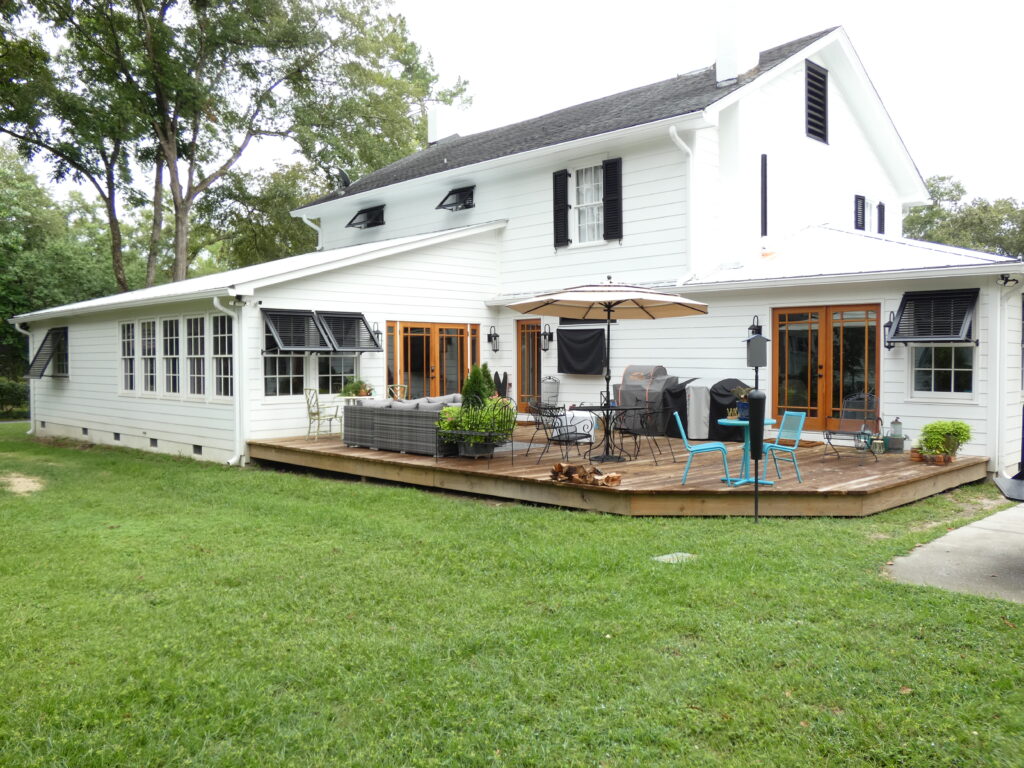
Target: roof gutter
{"x": 31, "y": 389}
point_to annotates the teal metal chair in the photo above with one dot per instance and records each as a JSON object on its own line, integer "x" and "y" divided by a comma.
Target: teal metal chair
{"x": 790, "y": 429}
{"x": 693, "y": 450}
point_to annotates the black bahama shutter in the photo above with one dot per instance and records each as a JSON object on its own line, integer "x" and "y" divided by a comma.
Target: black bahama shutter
{"x": 612, "y": 198}
{"x": 560, "y": 194}
{"x": 880, "y": 216}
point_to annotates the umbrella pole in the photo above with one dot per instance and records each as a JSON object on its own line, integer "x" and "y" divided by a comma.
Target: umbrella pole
{"x": 608, "y": 355}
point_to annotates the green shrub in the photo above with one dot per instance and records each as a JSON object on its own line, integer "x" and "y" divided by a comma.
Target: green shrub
{"x": 478, "y": 387}
{"x": 944, "y": 437}
{"x": 492, "y": 416}
{"x": 13, "y": 395}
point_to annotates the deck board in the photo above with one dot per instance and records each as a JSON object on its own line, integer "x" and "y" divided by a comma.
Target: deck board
{"x": 853, "y": 486}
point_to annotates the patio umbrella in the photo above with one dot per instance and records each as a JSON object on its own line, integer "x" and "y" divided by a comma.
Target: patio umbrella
{"x": 606, "y": 302}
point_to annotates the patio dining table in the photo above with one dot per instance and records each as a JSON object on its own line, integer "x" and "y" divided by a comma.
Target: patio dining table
{"x": 745, "y": 477}
{"x": 607, "y": 411}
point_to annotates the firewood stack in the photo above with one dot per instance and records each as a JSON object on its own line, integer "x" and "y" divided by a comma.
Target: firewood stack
{"x": 584, "y": 474}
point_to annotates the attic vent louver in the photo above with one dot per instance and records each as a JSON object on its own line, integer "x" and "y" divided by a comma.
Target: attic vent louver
{"x": 458, "y": 199}
{"x": 817, "y": 101}
{"x": 368, "y": 217}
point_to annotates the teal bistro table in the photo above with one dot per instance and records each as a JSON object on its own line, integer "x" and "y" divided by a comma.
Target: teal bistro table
{"x": 745, "y": 475}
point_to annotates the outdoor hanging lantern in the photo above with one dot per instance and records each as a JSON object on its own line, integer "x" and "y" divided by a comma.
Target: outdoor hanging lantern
{"x": 492, "y": 338}
{"x": 546, "y": 337}
{"x": 377, "y": 332}
{"x": 888, "y": 330}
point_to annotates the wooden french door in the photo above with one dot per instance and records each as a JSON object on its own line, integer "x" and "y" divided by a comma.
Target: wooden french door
{"x": 822, "y": 355}
{"x": 528, "y": 363}
{"x": 431, "y": 359}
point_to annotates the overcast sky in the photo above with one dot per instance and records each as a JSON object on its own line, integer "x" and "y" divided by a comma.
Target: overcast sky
{"x": 948, "y": 72}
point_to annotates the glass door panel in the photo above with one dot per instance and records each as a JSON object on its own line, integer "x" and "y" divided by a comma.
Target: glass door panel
{"x": 431, "y": 359}
{"x": 798, "y": 369}
{"x": 417, "y": 371}
{"x": 528, "y": 373}
{"x": 854, "y": 355}
{"x": 451, "y": 364}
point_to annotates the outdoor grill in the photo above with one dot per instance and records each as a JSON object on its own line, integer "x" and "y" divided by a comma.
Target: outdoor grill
{"x": 645, "y": 385}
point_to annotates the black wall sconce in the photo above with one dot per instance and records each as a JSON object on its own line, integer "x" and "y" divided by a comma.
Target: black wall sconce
{"x": 377, "y": 332}
{"x": 886, "y": 342}
{"x": 1005, "y": 280}
{"x": 492, "y": 339}
{"x": 546, "y": 337}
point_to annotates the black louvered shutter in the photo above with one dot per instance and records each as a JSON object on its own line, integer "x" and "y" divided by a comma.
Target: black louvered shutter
{"x": 612, "y": 198}
{"x": 880, "y": 215}
{"x": 858, "y": 211}
{"x": 560, "y": 194}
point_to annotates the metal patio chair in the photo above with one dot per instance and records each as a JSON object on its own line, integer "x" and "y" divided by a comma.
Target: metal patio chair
{"x": 790, "y": 430}
{"x": 693, "y": 450}
{"x": 558, "y": 430}
{"x": 858, "y": 420}
{"x": 318, "y": 414}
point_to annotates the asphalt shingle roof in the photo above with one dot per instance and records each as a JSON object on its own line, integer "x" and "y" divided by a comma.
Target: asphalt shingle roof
{"x": 680, "y": 95}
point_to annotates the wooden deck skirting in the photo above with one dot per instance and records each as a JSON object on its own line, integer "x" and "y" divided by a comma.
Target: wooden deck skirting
{"x": 853, "y": 486}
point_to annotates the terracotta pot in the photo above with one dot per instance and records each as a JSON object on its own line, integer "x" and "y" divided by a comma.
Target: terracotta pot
{"x": 915, "y": 455}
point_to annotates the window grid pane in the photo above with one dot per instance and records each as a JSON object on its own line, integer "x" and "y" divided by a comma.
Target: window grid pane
{"x": 943, "y": 369}
{"x": 589, "y": 207}
{"x": 128, "y": 357}
{"x": 334, "y": 372}
{"x": 147, "y": 342}
{"x": 195, "y": 345}
{"x": 171, "y": 363}
{"x": 223, "y": 362}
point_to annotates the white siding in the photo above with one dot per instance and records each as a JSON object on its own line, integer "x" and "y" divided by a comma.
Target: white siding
{"x": 443, "y": 284}
{"x": 90, "y": 398}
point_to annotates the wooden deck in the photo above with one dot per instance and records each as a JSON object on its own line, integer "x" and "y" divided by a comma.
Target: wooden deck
{"x": 849, "y": 487}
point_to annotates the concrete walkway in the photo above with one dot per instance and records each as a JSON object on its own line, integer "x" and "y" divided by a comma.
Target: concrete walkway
{"x": 983, "y": 558}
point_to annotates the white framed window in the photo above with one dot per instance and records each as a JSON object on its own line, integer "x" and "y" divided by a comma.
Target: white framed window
{"x": 284, "y": 373}
{"x": 588, "y": 206}
{"x": 171, "y": 352}
{"x": 195, "y": 354}
{"x": 147, "y": 352}
{"x": 127, "y": 357}
{"x": 334, "y": 372}
{"x": 223, "y": 360}
{"x": 945, "y": 370}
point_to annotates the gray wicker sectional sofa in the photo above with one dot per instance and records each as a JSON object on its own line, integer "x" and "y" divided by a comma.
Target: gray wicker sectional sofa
{"x": 407, "y": 426}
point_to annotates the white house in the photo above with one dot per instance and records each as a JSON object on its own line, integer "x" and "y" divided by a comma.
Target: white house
{"x": 770, "y": 186}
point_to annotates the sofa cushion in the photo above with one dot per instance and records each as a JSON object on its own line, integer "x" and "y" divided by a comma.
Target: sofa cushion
{"x": 433, "y": 406}
{"x": 374, "y": 403}
{"x": 449, "y": 399}
{"x": 405, "y": 405}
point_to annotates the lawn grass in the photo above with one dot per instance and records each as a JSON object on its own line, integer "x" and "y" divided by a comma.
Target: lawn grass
{"x": 166, "y": 612}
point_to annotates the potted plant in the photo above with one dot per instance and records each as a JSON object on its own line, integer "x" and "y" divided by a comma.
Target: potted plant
{"x": 477, "y": 430}
{"x": 356, "y": 388}
{"x": 943, "y": 439}
{"x": 742, "y": 404}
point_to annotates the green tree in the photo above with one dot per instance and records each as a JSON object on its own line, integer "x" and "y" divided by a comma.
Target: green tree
{"x": 248, "y": 216}
{"x": 995, "y": 227}
{"x": 210, "y": 78}
{"x": 50, "y": 254}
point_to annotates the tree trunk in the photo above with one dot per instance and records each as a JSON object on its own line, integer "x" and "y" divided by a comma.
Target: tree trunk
{"x": 116, "y": 243}
{"x": 158, "y": 222}
{"x": 181, "y": 222}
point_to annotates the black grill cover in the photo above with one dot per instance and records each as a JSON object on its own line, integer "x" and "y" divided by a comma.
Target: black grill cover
{"x": 722, "y": 399}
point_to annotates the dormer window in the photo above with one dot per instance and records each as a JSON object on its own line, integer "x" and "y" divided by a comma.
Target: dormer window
{"x": 368, "y": 217}
{"x": 816, "y": 97}
{"x": 458, "y": 199}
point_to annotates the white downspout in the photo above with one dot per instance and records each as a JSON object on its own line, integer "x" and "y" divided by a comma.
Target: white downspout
{"x": 31, "y": 389}
{"x": 684, "y": 147}
{"x": 238, "y": 459}
{"x": 316, "y": 228}
{"x": 1001, "y": 418}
